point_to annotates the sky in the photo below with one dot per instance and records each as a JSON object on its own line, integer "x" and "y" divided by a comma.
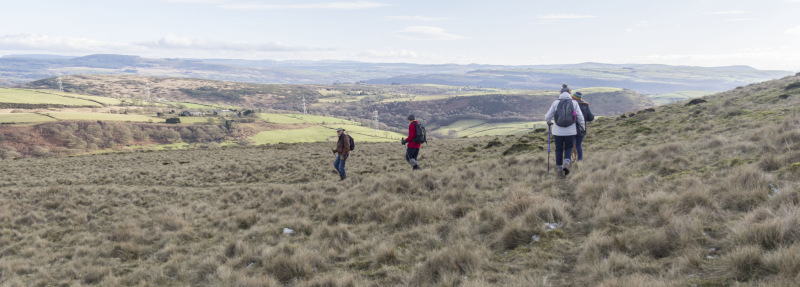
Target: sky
{"x": 762, "y": 34}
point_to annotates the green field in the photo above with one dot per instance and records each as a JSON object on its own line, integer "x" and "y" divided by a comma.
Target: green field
{"x": 598, "y": 90}
{"x": 367, "y": 133}
{"x": 24, "y": 118}
{"x": 323, "y": 133}
{"x": 194, "y": 120}
{"x": 476, "y": 128}
{"x": 302, "y": 119}
{"x": 103, "y": 100}
{"x": 103, "y": 117}
{"x": 19, "y": 96}
{"x": 311, "y": 134}
{"x": 679, "y": 96}
{"x": 195, "y": 106}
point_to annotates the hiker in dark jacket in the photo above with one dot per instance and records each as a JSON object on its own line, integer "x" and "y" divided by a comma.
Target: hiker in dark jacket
{"x": 412, "y": 150}
{"x": 343, "y": 152}
{"x": 581, "y": 132}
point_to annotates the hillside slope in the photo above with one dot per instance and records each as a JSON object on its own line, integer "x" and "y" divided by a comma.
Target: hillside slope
{"x": 435, "y": 105}
{"x": 704, "y": 194}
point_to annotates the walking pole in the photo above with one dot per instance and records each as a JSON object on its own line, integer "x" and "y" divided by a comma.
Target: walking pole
{"x": 548, "y": 148}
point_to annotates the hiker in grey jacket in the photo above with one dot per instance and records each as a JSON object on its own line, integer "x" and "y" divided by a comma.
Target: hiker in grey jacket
{"x": 564, "y": 135}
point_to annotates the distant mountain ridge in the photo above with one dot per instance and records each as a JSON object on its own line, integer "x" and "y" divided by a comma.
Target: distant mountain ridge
{"x": 643, "y": 78}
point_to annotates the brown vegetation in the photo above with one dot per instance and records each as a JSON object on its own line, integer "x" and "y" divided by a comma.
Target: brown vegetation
{"x": 701, "y": 200}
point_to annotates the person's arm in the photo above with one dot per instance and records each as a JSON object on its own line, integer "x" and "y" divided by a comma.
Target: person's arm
{"x": 577, "y": 107}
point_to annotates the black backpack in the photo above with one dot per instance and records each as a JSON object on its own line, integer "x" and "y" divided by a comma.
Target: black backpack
{"x": 565, "y": 113}
{"x": 420, "y": 137}
{"x": 352, "y": 143}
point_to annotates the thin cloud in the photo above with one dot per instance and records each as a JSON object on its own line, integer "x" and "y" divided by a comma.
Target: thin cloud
{"x": 426, "y": 33}
{"x": 171, "y": 41}
{"x": 416, "y": 18}
{"x": 197, "y": 1}
{"x": 390, "y": 54}
{"x": 794, "y": 31}
{"x": 357, "y": 5}
{"x": 31, "y": 41}
{"x": 740, "y": 19}
{"x": 639, "y": 26}
{"x": 565, "y": 17}
{"x": 550, "y": 19}
{"x": 727, "y": 12}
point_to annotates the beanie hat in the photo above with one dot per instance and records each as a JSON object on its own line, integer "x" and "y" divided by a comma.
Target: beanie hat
{"x": 564, "y": 88}
{"x": 577, "y": 96}
{"x": 411, "y": 117}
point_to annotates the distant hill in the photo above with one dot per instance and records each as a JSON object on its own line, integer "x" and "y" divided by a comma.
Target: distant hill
{"x": 436, "y": 104}
{"x": 645, "y": 79}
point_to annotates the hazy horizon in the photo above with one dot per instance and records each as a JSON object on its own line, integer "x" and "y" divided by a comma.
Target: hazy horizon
{"x": 706, "y": 33}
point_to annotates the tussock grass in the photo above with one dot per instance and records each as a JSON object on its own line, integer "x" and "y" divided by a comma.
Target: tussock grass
{"x": 700, "y": 200}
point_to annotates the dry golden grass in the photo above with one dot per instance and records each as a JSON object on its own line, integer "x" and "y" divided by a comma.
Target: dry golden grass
{"x": 703, "y": 199}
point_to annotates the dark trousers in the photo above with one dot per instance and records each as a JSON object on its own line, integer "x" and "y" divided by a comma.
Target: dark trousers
{"x": 339, "y": 165}
{"x": 411, "y": 156}
{"x": 578, "y": 146}
{"x": 563, "y": 149}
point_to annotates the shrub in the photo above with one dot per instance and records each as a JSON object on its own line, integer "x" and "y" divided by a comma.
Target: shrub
{"x": 457, "y": 260}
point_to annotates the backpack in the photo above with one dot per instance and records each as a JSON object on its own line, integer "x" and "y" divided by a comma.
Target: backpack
{"x": 565, "y": 113}
{"x": 352, "y": 143}
{"x": 420, "y": 137}
{"x": 587, "y": 114}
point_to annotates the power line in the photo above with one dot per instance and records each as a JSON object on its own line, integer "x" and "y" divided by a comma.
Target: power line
{"x": 375, "y": 121}
{"x": 60, "y": 85}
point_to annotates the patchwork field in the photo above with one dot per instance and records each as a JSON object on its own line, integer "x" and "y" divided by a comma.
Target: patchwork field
{"x": 679, "y": 96}
{"x": 20, "y": 96}
{"x": 324, "y": 133}
{"x": 24, "y": 118}
{"x": 476, "y": 128}
{"x": 70, "y": 116}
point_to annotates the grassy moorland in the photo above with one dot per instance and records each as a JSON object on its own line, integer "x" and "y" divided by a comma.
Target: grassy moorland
{"x": 20, "y": 96}
{"x": 681, "y": 195}
{"x": 679, "y": 96}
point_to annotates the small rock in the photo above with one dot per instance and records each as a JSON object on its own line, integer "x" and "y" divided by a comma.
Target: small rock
{"x": 288, "y": 231}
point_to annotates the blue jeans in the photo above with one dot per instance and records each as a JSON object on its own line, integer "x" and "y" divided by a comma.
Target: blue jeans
{"x": 563, "y": 150}
{"x": 339, "y": 165}
{"x": 578, "y": 146}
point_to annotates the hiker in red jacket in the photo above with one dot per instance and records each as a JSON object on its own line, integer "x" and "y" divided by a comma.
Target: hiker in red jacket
{"x": 412, "y": 150}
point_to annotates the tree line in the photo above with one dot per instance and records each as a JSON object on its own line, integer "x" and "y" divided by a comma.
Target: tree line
{"x": 86, "y": 136}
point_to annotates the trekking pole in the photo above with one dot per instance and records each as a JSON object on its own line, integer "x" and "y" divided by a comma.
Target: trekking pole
{"x": 548, "y": 148}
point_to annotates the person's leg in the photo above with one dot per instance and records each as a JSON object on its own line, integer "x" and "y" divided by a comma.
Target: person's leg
{"x": 336, "y": 164}
{"x": 559, "y": 142}
{"x": 568, "y": 147}
{"x": 411, "y": 156}
{"x": 578, "y": 146}
{"x": 341, "y": 168}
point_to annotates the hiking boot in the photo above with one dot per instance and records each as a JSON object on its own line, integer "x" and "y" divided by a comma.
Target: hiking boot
{"x": 416, "y": 167}
{"x": 566, "y": 170}
{"x": 343, "y": 178}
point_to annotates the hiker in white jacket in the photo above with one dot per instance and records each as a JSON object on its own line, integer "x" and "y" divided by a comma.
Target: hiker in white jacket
{"x": 564, "y": 135}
